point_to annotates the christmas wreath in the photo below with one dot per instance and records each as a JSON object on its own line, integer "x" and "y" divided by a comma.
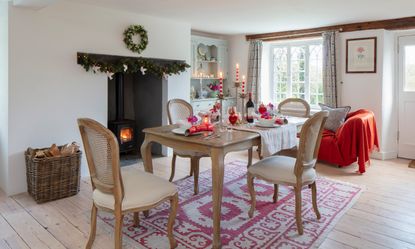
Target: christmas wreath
{"x": 130, "y": 32}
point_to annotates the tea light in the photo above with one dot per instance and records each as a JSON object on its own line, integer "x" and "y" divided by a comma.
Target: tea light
{"x": 205, "y": 119}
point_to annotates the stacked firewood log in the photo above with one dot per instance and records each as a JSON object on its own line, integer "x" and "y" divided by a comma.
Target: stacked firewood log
{"x": 55, "y": 151}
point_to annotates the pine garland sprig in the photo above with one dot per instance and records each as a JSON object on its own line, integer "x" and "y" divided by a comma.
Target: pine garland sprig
{"x": 131, "y": 65}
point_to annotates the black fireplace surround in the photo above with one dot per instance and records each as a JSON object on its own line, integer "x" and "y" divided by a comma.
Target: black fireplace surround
{"x": 135, "y": 101}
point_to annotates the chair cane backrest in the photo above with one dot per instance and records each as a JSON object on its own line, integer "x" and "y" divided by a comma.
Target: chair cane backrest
{"x": 178, "y": 109}
{"x": 310, "y": 138}
{"x": 102, "y": 153}
{"x": 294, "y": 107}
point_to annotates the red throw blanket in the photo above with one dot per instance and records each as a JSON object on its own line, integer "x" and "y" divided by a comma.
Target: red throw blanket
{"x": 353, "y": 141}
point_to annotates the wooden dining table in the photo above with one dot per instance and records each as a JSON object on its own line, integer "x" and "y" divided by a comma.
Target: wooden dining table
{"x": 216, "y": 147}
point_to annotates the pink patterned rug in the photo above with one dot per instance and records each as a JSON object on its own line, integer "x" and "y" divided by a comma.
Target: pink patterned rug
{"x": 273, "y": 225}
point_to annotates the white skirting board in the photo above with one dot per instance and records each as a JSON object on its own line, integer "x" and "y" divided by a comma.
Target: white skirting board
{"x": 384, "y": 155}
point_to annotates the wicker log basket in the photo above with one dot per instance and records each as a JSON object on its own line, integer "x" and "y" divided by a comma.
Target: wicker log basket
{"x": 52, "y": 177}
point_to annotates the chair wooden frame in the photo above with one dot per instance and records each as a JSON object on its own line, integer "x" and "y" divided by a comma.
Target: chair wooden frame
{"x": 298, "y": 171}
{"x": 117, "y": 189}
{"x": 295, "y": 100}
{"x": 194, "y": 159}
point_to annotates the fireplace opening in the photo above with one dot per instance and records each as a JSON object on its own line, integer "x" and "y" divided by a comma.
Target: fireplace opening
{"x": 124, "y": 129}
{"x": 136, "y": 101}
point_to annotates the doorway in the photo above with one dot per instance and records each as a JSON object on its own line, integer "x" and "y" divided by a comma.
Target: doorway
{"x": 406, "y": 95}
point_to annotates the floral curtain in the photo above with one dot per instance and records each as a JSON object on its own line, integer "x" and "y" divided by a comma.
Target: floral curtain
{"x": 330, "y": 68}
{"x": 254, "y": 69}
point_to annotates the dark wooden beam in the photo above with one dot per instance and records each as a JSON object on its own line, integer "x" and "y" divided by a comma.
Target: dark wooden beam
{"x": 390, "y": 24}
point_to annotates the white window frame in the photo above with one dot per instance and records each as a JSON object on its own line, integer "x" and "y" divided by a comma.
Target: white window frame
{"x": 289, "y": 44}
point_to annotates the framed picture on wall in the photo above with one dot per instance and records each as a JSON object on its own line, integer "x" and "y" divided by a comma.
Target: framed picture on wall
{"x": 361, "y": 55}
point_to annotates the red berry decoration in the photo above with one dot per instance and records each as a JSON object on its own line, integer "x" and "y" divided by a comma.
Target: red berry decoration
{"x": 262, "y": 109}
{"x": 233, "y": 118}
{"x": 279, "y": 121}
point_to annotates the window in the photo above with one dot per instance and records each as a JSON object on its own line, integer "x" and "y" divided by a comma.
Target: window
{"x": 297, "y": 71}
{"x": 409, "y": 69}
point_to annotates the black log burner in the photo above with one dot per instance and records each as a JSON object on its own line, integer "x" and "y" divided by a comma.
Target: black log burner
{"x": 124, "y": 129}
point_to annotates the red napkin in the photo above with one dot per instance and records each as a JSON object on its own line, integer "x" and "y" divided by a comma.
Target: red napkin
{"x": 198, "y": 128}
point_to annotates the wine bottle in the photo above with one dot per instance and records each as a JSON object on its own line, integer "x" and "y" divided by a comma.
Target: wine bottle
{"x": 250, "y": 110}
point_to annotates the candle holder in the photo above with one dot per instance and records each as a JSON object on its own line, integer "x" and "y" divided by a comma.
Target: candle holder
{"x": 237, "y": 85}
{"x": 221, "y": 126}
{"x": 243, "y": 96}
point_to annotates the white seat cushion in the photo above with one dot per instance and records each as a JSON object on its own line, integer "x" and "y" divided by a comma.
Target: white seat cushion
{"x": 280, "y": 169}
{"x": 140, "y": 189}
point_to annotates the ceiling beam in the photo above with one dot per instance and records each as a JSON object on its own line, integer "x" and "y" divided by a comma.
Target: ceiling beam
{"x": 390, "y": 24}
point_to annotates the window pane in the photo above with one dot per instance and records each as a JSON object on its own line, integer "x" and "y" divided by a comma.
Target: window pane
{"x": 409, "y": 84}
{"x": 280, "y": 73}
{"x": 301, "y": 76}
{"x": 298, "y": 71}
{"x": 315, "y": 71}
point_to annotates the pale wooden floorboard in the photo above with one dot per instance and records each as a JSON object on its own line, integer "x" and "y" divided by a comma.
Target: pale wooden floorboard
{"x": 28, "y": 228}
{"x": 383, "y": 217}
{"x": 329, "y": 244}
{"x": 8, "y": 237}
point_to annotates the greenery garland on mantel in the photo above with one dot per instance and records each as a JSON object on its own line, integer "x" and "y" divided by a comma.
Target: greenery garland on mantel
{"x": 117, "y": 64}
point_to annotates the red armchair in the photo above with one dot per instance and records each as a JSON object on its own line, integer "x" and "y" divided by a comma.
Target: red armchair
{"x": 353, "y": 141}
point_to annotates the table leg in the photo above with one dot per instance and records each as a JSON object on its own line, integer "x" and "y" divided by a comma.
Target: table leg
{"x": 249, "y": 157}
{"x": 218, "y": 156}
{"x": 146, "y": 155}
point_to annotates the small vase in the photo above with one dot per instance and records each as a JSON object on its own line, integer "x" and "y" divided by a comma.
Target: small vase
{"x": 214, "y": 94}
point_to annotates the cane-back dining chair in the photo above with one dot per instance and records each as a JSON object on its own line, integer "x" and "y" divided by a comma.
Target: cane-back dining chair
{"x": 296, "y": 172}
{"x": 294, "y": 107}
{"x": 121, "y": 191}
{"x": 179, "y": 109}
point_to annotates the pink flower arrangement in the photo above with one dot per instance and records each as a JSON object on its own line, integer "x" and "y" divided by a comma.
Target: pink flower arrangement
{"x": 192, "y": 119}
{"x": 213, "y": 87}
{"x": 270, "y": 106}
{"x": 215, "y": 107}
{"x": 266, "y": 115}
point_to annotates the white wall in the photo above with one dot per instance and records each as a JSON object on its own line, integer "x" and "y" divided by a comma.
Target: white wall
{"x": 373, "y": 91}
{"x": 238, "y": 53}
{"x": 4, "y": 89}
{"x": 389, "y": 145}
{"x": 49, "y": 91}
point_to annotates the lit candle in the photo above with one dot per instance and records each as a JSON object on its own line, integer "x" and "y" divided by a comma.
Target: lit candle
{"x": 205, "y": 120}
{"x": 220, "y": 83}
{"x": 243, "y": 84}
{"x": 237, "y": 72}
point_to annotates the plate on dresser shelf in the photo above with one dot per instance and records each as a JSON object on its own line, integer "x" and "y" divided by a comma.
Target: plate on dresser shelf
{"x": 202, "y": 49}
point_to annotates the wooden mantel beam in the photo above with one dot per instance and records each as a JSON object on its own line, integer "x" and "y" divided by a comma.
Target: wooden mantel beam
{"x": 390, "y": 24}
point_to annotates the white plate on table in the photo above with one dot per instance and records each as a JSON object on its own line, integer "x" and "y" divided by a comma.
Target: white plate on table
{"x": 267, "y": 125}
{"x": 182, "y": 131}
